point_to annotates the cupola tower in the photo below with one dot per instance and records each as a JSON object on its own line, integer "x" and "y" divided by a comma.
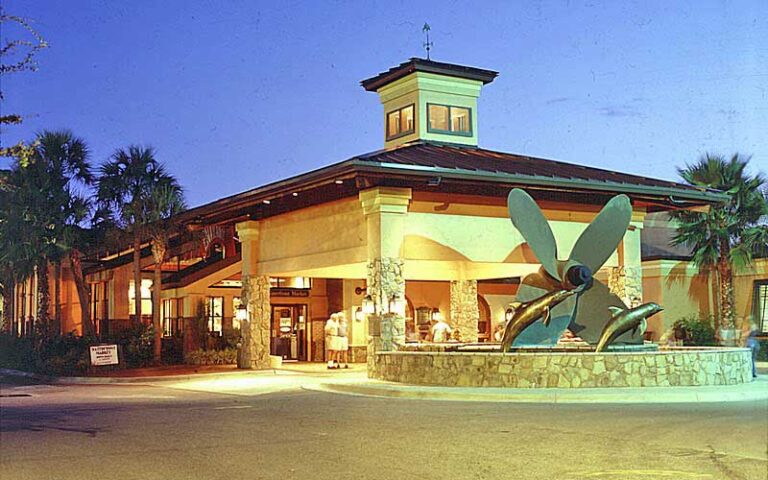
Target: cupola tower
{"x": 428, "y": 100}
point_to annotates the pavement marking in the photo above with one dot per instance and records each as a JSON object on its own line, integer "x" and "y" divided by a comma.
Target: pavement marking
{"x": 644, "y": 473}
{"x": 233, "y": 407}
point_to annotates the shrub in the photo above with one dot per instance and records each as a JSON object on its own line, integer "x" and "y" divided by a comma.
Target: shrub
{"x": 695, "y": 331}
{"x": 16, "y": 353}
{"x": 227, "y": 356}
{"x": 762, "y": 354}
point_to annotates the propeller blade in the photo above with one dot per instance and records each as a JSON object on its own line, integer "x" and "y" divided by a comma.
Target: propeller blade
{"x": 536, "y": 285}
{"x": 593, "y": 312}
{"x": 530, "y": 222}
{"x": 603, "y": 235}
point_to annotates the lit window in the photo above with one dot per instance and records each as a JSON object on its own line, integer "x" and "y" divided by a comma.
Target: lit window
{"x": 761, "y": 306}
{"x": 400, "y": 122}
{"x": 449, "y": 119}
{"x": 146, "y": 297}
{"x": 215, "y": 314}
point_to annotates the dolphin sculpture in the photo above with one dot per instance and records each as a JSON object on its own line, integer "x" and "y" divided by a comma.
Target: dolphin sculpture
{"x": 527, "y": 313}
{"x": 625, "y": 320}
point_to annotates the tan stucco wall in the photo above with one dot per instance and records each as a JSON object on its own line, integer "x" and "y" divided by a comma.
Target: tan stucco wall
{"x": 682, "y": 291}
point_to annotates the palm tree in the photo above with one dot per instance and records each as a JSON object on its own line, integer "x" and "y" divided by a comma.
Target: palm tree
{"x": 43, "y": 200}
{"x": 62, "y": 171}
{"x": 728, "y": 234}
{"x": 128, "y": 187}
{"x": 166, "y": 201}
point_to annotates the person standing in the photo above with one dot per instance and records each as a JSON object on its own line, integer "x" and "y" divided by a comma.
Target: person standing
{"x": 753, "y": 344}
{"x": 332, "y": 341}
{"x": 441, "y": 331}
{"x": 343, "y": 355}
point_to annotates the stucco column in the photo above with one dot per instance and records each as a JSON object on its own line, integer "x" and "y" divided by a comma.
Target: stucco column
{"x": 626, "y": 280}
{"x": 254, "y": 346}
{"x": 385, "y": 210}
{"x": 465, "y": 312}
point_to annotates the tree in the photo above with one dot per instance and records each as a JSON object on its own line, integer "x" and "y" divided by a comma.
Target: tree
{"x": 727, "y": 236}
{"x": 49, "y": 194}
{"x": 166, "y": 201}
{"x": 17, "y": 54}
{"x": 138, "y": 191}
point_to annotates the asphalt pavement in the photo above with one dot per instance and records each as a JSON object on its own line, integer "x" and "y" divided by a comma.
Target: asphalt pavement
{"x": 268, "y": 425}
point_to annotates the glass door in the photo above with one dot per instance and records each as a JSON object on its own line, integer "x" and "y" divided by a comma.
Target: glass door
{"x": 289, "y": 332}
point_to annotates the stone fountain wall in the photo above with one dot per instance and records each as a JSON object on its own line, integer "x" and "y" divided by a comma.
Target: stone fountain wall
{"x": 664, "y": 368}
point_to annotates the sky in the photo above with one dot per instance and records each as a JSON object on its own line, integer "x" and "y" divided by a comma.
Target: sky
{"x": 236, "y": 94}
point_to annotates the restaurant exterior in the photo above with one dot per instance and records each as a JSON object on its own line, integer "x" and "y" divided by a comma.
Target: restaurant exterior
{"x": 394, "y": 238}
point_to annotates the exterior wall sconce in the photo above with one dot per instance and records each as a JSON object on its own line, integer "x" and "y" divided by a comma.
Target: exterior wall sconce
{"x": 242, "y": 313}
{"x": 509, "y": 313}
{"x": 436, "y": 315}
{"x": 396, "y": 305}
{"x": 359, "y": 314}
{"x": 368, "y": 307}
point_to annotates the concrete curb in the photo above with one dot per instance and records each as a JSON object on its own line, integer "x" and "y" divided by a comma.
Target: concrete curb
{"x": 152, "y": 379}
{"x": 757, "y": 390}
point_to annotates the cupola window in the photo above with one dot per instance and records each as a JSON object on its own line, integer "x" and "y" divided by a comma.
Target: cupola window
{"x": 400, "y": 122}
{"x": 449, "y": 119}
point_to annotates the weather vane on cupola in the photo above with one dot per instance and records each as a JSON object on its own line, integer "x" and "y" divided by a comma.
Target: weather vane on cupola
{"x": 427, "y": 45}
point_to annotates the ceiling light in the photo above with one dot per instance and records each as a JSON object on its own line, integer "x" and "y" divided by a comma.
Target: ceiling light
{"x": 266, "y": 202}
{"x": 295, "y": 194}
{"x": 339, "y": 182}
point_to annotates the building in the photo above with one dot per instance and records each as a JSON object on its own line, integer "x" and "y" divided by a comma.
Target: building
{"x": 419, "y": 229}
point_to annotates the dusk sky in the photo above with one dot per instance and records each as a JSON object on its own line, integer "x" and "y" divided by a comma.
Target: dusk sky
{"x": 234, "y": 95}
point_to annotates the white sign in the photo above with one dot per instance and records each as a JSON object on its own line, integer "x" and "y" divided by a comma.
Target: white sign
{"x": 104, "y": 355}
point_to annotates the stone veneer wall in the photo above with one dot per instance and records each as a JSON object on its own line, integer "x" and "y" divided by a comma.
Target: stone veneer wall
{"x": 664, "y": 368}
{"x": 254, "y": 350}
{"x": 627, "y": 284}
{"x": 464, "y": 310}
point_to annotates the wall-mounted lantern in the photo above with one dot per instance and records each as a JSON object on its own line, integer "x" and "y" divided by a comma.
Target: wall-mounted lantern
{"x": 241, "y": 314}
{"x": 359, "y": 314}
{"x": 436, "y": 315}
{"x": 368, "y": 306}
{"x": 509, "y": 313}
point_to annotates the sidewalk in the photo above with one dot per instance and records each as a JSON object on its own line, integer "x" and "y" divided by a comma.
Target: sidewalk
{"x": 353, "y": 381}
{"x": 754, "y": 391}
{"x": 173, "y": 373}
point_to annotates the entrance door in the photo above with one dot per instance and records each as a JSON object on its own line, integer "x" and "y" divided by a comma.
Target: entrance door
{"x": 289, "y": 332}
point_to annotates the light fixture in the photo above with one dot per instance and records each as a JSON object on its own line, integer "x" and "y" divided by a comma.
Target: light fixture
{"x": 295, "y": 194}
{"x": 339, "y": 182}
{"x": 368, "y": 306}
{"x": 434, "y": 181}
{"x": 242, "y": 312}
{"x": 359, "y": 314}
{"x": 359, "y": 290}
{"x": 509, "y": 313}
{"x": 266, "y": 202}
{"x": 436, "y": 315}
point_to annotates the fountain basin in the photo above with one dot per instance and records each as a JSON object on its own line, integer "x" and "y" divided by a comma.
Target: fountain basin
{"x": 566, "y": 367}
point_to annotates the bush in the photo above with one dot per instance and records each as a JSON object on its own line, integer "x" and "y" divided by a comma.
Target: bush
{"x": 227, "y": 356}
{"x": 70, "y": 355}
{"x": 762, "y": 354}
{"x": 17, "y": 353}
{"x": 695, "y": 331}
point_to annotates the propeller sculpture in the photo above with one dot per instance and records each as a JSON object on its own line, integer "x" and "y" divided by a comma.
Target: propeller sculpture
{"x": 587, "y": 311}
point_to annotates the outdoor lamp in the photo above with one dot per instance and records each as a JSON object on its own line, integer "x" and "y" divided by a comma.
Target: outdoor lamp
{"x": 436, "y": 315}
{"x": 508, "y": 314}
{"x": 242, "y": 313}
{"x": 395, "y": 304}
{"x": 368, "y": 307}
{"x": 359, "y": 314}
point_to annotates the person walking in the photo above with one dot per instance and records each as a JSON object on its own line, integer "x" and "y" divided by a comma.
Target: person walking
{"x": 332, "y": 341}
{"x": 441, "y": 331}
{"x": 753, "y": 344}
{"x": 343, "y": 355}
